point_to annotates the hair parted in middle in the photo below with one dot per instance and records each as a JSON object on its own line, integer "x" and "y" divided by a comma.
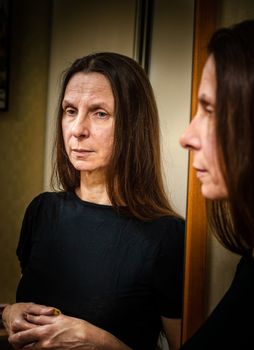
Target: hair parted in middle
{"x": 134, "y": 176}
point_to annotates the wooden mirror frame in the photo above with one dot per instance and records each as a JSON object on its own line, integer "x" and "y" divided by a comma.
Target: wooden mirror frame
{"x": 205, "y": 14}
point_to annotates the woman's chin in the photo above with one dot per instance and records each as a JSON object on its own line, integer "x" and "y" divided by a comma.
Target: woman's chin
{"x": 214, "y": 192}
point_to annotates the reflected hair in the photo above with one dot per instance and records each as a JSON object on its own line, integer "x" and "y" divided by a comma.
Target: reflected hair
{"x": 233, "y": 52}
{"x": 134, "y": 177}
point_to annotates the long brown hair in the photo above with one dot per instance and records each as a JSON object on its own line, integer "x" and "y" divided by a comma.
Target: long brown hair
{"x": 134, "y": 178}
{"x": 233, "y": 52}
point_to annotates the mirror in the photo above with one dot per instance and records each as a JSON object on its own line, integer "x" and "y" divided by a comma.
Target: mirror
{"x": 47, "y": 36}
{"x": 50, "y": 35}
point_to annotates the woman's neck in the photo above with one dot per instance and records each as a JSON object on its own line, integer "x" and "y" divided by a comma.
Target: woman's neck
{"x": 93, "y": 188}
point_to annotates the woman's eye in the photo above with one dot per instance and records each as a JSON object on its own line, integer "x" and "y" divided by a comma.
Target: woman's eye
{"x": 70, "y": 111}
{"x": 209, "y": 110}
{"x": 101, "y": 114}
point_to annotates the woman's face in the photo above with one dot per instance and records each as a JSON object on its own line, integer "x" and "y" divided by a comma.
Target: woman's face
{"x": 88, "y": 121}
{"x": 200, "y": 138}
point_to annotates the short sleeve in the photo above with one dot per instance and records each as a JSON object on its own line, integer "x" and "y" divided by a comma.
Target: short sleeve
{"x": 169, "y": 270}
{"x": 26, "y": 234}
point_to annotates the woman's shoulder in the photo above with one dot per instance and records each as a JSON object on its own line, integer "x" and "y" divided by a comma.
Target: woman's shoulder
{"x": 167, "y": 226}
{"x": 45, "y": 199}
{"x": 49, "y": 196}
{"x": 171, "y": 222}
{"x": 173, "y": 233}
{"x": 165, "y": 234}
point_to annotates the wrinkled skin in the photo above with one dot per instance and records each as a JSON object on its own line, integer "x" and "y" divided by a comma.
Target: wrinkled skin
{"x": 35, "y": 327}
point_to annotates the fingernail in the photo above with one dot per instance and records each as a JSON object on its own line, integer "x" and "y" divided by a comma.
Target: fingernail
{"x": 56, "y": 311}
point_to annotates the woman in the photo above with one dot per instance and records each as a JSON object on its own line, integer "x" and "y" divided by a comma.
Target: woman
{"x": 107, "y": 250}
{"x": 221, "y": 139}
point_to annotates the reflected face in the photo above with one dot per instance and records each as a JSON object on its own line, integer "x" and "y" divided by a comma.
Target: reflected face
{"x": 88, "y": 121}
{"x": 200, "y": 138}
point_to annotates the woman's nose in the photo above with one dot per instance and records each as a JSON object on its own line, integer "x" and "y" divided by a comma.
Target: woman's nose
{"x": 190, "y": 138}
{"x": 80, "y": 128}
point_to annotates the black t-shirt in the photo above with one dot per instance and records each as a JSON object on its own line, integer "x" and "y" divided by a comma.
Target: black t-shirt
{"x": 119, "y": 273}
{"x": 230, "y": 325}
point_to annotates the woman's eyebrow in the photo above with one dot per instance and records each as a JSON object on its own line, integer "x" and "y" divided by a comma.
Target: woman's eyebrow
{"x": 96, "y": 105}
{"x": 67, "y": 102}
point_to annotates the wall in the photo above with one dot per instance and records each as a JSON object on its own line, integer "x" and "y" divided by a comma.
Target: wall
{"x": 170, "y": 75}
{"x": 22, "y": 130}
{"x": 222, "y": 263}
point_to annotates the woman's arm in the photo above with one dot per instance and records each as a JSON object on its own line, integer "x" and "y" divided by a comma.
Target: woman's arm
{"x": 172, "y": 328}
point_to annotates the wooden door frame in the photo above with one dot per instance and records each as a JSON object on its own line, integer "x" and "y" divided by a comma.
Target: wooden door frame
{"x": 196, "y": 228}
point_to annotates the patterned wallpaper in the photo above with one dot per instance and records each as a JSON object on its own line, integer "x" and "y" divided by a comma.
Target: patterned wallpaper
{"x": 22, "y": 130}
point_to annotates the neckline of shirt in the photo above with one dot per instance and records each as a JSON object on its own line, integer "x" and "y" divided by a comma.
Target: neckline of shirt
{"x": 98, "y": 205}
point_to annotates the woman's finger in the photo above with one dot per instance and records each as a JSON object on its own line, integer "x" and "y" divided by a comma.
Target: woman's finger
{"x": 29, "y": 346}
{"x": 39, "y": 320}
{"x": 37, "y": 309}
{"x": 21, "y": 325}
{"x": 21, "y": 339}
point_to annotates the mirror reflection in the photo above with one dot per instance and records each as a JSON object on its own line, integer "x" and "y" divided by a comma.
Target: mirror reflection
{"x": 46, "y": 50}
{"x": 105, "y": 248}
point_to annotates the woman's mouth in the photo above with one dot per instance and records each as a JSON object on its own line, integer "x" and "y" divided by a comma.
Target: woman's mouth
{"x": 81, "y": 152}
{"x": 200, "y": 173}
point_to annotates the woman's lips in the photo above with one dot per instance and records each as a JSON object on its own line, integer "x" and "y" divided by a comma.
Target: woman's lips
{"x": 81, "y": 150}
{"x": 200, "y": 173}
{"x": 78, "y": 152}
